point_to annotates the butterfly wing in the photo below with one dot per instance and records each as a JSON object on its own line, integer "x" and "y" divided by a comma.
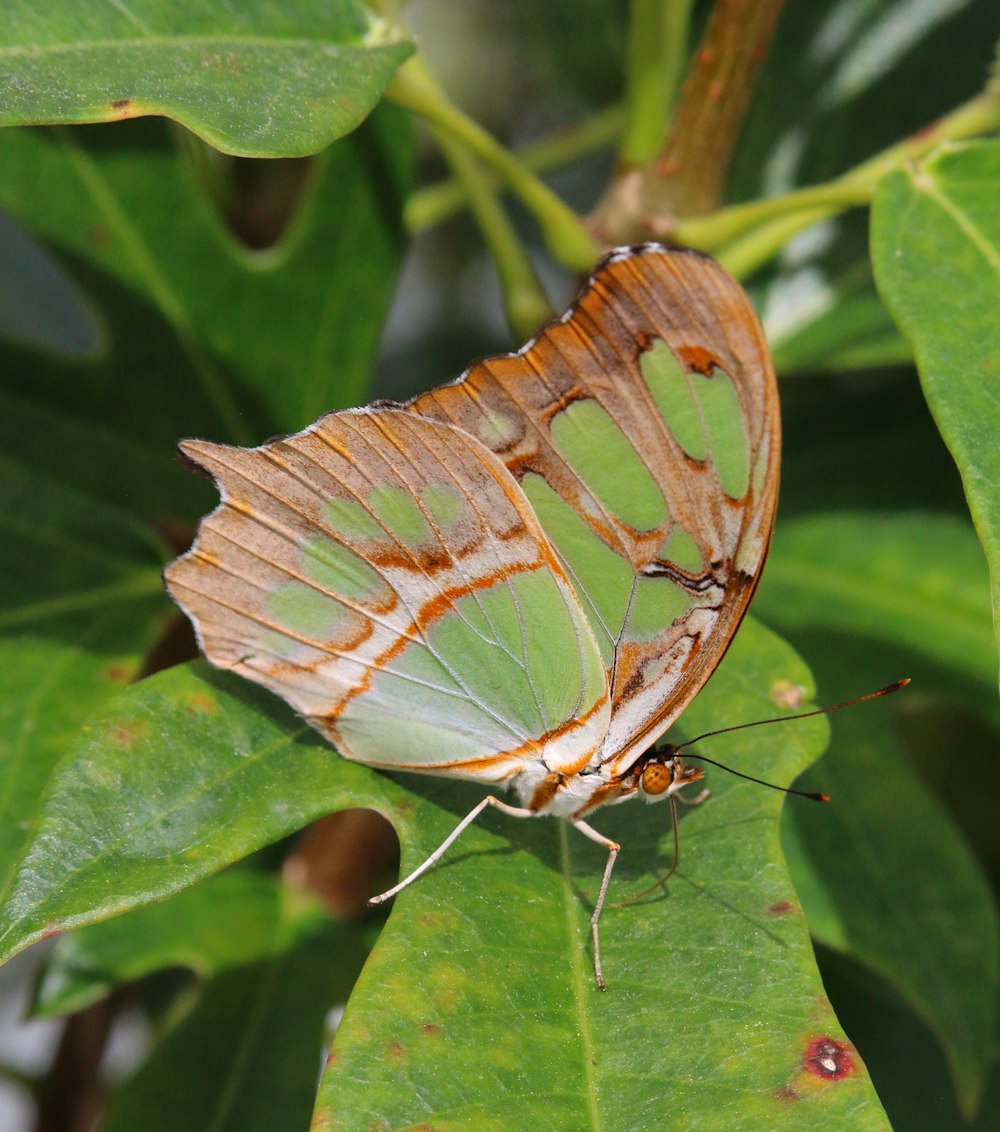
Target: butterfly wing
{"x": 385, "y": 575}
{"x": 643, "y": 427}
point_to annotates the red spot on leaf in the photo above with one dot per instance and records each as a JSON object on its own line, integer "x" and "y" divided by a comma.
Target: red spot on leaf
{"x": 117, "y": 673}
{"x": 395, "y": 1051}
{"x": 830, "y": 1059}
{"x": 705, "y": 56}
{"x": 430, "y": 1028}
{"x": 781, "y": 908}
{"x": 122, "y": 107}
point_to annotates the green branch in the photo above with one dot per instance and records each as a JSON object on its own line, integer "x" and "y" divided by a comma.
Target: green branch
{"x": 563, "y": 231}
{"x": 747, "y": 235}
{"x": 655, "y": 61}
{"x": 436, "y": 203}
{"x": 525, "y": 303}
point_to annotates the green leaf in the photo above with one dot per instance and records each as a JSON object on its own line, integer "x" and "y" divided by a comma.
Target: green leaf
{"x": 248, "y": 1051}
{"x": 904, "y": 1058}
{"x": 482, "y": 981}
{"x": 80, "y": 602}
{"x": 177, "y": 777}
{"x": 858, "y": 592}
{"x": 235, "y": 919}
{"x": 931, "y": 930}
{"x": 267, "y": 80}
{"x": 936, "y": 249}
{"x": 190, "y": 771}
{"x": 914, "y": 580}
{"x": 235, "y": 343}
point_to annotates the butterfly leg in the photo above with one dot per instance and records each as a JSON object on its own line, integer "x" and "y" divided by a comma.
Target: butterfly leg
{"x": 613, "y": 849}
{"x": 439, "y": 852}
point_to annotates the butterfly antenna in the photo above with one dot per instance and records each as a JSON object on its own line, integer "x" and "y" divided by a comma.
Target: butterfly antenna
{"x": 887, "y": 690}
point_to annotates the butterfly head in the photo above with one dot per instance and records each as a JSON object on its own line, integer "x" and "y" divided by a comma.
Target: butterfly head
{"x": 662, "y": 773}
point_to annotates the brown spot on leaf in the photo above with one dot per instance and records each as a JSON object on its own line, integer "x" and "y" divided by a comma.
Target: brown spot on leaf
{"x": 395, "y": 1051}
{"x": 781, "y": 908}
{"x": 322, "y": 1120}
{"x": 122, "y": 107}
{"x": 127, "y": 733}
{"x": 199, "y": 702}
{"x": 829, "y": 1058}
{"x": 97, "y": 235}
{"x": 430, "y": 1028}
{"x": 117, "y": 673}
{"x": 716, "y": 91}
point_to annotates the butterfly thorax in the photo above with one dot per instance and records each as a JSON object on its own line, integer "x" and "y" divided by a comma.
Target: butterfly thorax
{"x": 656, "y": 774}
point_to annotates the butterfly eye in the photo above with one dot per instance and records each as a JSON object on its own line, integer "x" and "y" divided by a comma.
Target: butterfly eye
{"x": 657, "y": 778}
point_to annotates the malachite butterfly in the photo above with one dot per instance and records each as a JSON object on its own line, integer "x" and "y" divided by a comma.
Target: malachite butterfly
{"x": 523, "y": 577}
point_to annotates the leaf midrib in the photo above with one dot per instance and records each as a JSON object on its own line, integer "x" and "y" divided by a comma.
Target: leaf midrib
{"x": 579, "y": 978}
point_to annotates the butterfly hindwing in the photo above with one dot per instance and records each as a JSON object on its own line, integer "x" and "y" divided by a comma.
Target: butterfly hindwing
{"x": 385, "y": 575}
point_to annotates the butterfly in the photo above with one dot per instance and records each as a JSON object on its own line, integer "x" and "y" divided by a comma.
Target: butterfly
{"x": 521, "y": 578}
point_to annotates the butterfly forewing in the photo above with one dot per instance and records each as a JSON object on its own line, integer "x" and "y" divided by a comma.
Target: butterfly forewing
{"x": 385, "y": 575}
{"x": 643, "y": 428}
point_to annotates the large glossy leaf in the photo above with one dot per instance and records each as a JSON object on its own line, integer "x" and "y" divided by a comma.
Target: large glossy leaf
{"x": 482, "y": 982}
{"x": 202, "y": 334}
{"x": 917, "y": 581}
{"x": 190, "y": 771}
{"x": 904, "y": 1058}
{"x": 244, "y": 1058}
{"x": 936, "y": 249}
{"x": 79, "y": 605}
{"x": 88, "y": 478}
{"x": 262, "y": 79}
{"x": 235, "y": 919}
{"x": 858, "y": 593}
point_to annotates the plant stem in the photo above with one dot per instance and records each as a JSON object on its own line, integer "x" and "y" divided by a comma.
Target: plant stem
{"x": 563, "y": 231}
{"x": 687, "y": 173}
{"x": 525, "y": 303}
{"x": 435, "y": 203}
{"x": 690, "y": 171}
{"x": 657, "y": 46}
{"x": 746, "y": 235}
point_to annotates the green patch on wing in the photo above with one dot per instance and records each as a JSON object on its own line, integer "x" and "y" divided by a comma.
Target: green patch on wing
{"x": 602, "y": 579}
{"x": 703, "y": 415}
{"x": 399, "y": 511}
{"x": 351, "y": 520}
{"x": 681, "y": 549}
{"x": 657, "y": 604}
{"x": 504, "y": 665}
{"x": 590, "y": 441}
{"x": 336, "y": 568}
{"x": 305, "y": 610}
{"x": 445, "y": 504}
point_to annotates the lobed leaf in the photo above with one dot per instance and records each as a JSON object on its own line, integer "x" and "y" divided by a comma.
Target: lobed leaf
{"x": 885, "y": 875}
